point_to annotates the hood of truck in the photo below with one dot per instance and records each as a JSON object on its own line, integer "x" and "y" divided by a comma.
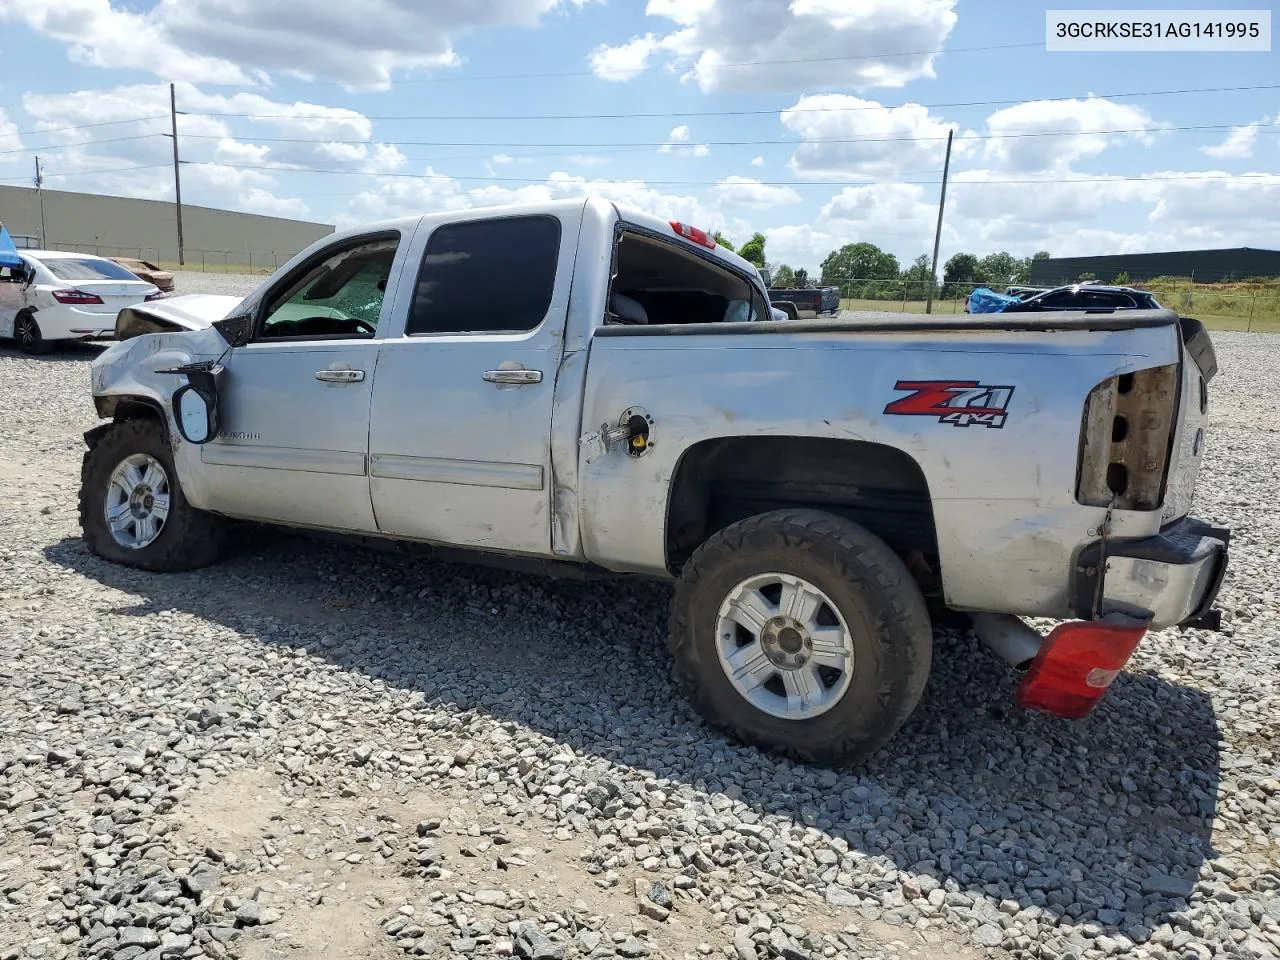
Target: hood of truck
{"x": 192, "y": 311}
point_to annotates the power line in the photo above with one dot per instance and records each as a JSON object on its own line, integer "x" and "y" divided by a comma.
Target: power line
{"x": 1217, "y": 127}
{"x": 593, "y": 73}
{"x": 724, "y": 113}
{"x": 85, "y": 126}
{"x": 287, "y": 168}
{"x": 82, "y": 143}
{"x": 619, "y": 148}
{"x": 87, "y": 173}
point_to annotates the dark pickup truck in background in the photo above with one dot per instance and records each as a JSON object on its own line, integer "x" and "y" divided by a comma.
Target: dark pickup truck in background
{"x": 804, "y": 302}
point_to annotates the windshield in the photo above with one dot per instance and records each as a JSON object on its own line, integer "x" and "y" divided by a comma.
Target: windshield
{"x": 69, "y": 268}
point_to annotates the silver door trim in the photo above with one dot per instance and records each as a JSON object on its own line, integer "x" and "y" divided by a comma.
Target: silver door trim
{"x": 475, "y": 473}
{"x": 284, "y": 458}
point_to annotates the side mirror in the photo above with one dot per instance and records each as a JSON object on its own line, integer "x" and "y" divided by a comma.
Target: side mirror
{"x": 196, "y": 414}
{"x": 235, "y": 330}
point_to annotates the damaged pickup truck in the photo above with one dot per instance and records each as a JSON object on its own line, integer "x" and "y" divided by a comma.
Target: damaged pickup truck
{"x": 580, "y": 386}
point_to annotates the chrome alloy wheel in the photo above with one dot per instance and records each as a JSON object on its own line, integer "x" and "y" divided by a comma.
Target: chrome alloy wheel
{"x": 784, "y": 646}
{"x": 137, "y": 501}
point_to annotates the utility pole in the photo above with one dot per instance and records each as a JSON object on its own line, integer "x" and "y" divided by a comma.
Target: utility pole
{"x": 177, "y": 174}
{"x": 40, "y": 194}
{"x": 937, "y": 237}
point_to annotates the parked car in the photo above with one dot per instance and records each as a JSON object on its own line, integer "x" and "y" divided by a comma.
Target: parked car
{"x": 1024, "y": 293}
{"x": 613, "y": 407}
{"x": 148, "y": 271}
{"x": 1086, "y": 296}
{"x": 66, "y": 296}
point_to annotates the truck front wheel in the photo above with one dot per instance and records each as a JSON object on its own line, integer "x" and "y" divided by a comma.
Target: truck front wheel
{"x": 802, "y": 632}
{"x": 132, "y": 509}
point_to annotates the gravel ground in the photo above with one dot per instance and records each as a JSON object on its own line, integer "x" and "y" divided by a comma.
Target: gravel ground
{"x": 310, "y": 749}
{"x": 226, "y": 284}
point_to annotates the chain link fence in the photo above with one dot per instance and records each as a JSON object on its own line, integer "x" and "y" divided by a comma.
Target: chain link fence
{"x": 1243, "y": 305}
{"x": 205, "y": 261}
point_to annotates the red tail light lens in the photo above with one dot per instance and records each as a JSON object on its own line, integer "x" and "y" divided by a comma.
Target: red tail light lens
{"x": 1077, "y": 663}
{"x": 75, "y": 296}
{"x": 693, "y": 234}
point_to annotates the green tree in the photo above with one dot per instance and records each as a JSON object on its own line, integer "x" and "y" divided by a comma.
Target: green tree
{"x": 917, "y": 278}
{"x": 961, "y": 268}
{"x": 999, "y": 269}
{"x": 1024, "y": 266}
{"x": 784, "y": 278}
{"x": 856, "y": 267}
{"x": 723, "y": 241}
{"x": 1122, "y": 279}
{"x": 960, "y": 275}
{"x": 753, "y": 250}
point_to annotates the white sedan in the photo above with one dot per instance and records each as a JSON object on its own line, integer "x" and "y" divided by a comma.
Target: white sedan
{"x": 65, "y": 296}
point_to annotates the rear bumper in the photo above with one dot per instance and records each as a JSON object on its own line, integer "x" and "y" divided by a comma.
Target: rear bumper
{"x": 1174, "y": 577}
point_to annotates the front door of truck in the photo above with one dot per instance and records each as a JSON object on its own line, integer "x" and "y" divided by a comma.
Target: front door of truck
{"x": 459, "y": 441}
{"x": 294, "y": 402}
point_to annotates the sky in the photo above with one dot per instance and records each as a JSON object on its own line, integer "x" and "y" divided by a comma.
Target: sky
{"x": 815, "y": 122}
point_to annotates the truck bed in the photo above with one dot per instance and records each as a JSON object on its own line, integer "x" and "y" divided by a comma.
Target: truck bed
{"x": 873, "y": 322}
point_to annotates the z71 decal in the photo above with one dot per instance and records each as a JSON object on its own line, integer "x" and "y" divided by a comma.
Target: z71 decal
{"x": 961, "y": 403}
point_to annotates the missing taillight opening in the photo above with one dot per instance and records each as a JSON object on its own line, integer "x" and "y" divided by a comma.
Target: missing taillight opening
{"x": 1125, "y": 439}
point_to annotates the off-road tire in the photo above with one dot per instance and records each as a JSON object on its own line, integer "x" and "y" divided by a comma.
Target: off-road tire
{"x": 872, "y": 588}
{"x": 190, "y": 538}
{"x": 30, "y": 347}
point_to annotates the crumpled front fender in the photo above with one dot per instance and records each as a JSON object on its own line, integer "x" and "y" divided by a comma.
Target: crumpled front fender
{"x": 132, "y": 368}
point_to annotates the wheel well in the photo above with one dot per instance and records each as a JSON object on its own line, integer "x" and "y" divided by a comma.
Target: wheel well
{"x": 121, "y": 409}
{"x": 719, "y": 482}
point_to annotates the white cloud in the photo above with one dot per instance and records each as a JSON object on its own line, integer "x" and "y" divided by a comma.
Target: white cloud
{"x": 233, "y": 41}
{"x": 790, "y": 44}
{"x": 1238, "y": 145}
{"x": 406, "y": 196}
{"x": 223, "y": 167}
{"x": 845, "y": 136}
{"x": 626, "y": 61}
{"x": 588, "y": 160}
{"x": 10, "y": 141}
{"x": 678, "y": 144}
{"x": 1087, "y": 121}
{"x": 745, "y": 192}
{"x": 758, "y": 162}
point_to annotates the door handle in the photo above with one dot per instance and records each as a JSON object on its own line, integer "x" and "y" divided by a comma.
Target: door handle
{"x": 513, "y": 376}
{"x": 340, "y": 376}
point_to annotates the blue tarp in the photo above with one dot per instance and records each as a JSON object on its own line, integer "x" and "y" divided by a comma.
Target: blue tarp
{"x": 8, "y": 252}
{"x": 983, "y": 300}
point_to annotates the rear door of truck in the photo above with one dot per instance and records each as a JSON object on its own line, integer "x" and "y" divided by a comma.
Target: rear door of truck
{"x": 459, "y": 441}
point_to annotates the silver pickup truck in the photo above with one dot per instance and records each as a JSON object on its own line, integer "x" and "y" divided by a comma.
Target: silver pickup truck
{"x": 581, "y": 386}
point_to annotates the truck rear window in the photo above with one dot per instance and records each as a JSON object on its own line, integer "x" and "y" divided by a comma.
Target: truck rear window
{"x": 486, "y": 276}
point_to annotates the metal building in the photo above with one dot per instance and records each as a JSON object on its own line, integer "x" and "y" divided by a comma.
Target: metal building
{"x": 123, "y": 226}
{"x": 1205, "y": 266}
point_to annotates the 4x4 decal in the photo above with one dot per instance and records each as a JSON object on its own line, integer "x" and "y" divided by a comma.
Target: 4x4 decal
{"x": 961, "y": 403}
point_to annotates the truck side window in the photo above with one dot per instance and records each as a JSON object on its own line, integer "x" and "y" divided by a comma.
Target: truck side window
{"x": 662, "y": 283}
{"x": 339, "y": 297}
{"x": 486, "y": 276}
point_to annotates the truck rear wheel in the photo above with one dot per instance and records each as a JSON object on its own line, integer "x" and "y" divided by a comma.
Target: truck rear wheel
{"x": 132, "y": 509}
{"x": 802, "y": 632}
